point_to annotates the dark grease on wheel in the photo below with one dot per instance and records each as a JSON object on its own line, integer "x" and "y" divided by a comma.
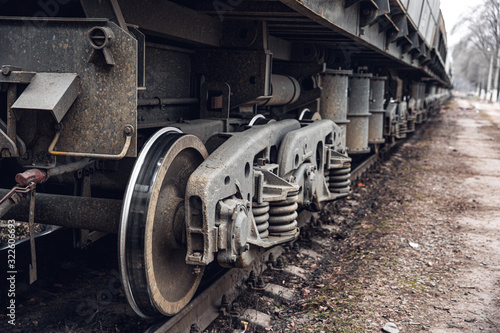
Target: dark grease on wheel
{"x": 155, "y": 276}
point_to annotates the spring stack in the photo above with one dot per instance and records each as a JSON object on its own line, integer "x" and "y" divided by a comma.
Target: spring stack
{"x": 338, "y": 180}
{"x": 261, "y": 216}
{"x": 283, "y": 216}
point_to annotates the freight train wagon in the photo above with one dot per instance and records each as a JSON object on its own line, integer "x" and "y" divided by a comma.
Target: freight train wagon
{"x": 202, "y": 131}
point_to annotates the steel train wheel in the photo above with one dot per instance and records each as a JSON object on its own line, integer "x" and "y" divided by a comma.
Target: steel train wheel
{"x": 152, "y": 249}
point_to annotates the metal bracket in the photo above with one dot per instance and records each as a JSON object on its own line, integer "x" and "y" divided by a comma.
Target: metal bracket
{"x": 101, "y": 38}
{"x": 336, "y": 160}
{"x": 216, "y": 100}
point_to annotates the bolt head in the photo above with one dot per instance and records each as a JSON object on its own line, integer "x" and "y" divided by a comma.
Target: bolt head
{"x": 129, "y": 129}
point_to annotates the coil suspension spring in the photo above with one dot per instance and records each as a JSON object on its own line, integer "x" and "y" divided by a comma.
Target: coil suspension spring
{"x": 283, "y": 216}
{"x": 261, "y": 216}
{"x": 338, "y": 180}
{"x": 411, "y": 124}
{"x": 402, "y": 129}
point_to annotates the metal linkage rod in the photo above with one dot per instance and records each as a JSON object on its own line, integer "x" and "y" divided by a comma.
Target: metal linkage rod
{"x": 69, "y": 211}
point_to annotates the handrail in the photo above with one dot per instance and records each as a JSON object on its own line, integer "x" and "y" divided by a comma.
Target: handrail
{"x": 128, "y": 130}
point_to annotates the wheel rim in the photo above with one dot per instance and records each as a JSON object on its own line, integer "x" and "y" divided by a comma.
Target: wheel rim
{"x": 155, "y": 277}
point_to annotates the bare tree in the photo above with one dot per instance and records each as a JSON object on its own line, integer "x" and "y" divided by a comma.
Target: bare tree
{"x": 477, "y": 56}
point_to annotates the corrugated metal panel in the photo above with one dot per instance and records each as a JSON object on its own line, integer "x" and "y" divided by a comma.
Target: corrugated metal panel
{"x": 425, "y": 19}
{"x": 414, "y": 9}
{"x": 435, "y": 4}
{"x": 431, "y": 30}
{"x": 443, "y": 27}
{"x": 434, "y": 22}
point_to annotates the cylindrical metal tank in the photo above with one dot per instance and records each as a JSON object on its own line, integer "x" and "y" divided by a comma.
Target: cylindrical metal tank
{"x": 376, "y": 126}
{"x": 333, "y": 102}
{"x": 416, "y": 94}
{"x": 358, "y": 113}
{"x": 418, "y": 103}
{"x": 284, "y": 89}
{"x": 403, "y": 120}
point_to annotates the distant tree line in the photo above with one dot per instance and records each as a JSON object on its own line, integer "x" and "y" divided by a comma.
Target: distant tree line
{"x": 477, "y": 56}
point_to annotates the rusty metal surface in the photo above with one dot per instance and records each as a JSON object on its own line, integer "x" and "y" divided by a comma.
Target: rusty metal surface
{"x": 357, "y": 134}
{"x": 376, "y": 126}
{"x": 336, "y": 23}
{"x": 333, "y": 103}
{"x": 108, "y": 96}
{"x": 171, "y": 282}
{"x": 285, "y": 89}
{"x": 247, "y": 72}
{"x": 9, "y": 199}
{"x": 358, "y": 113}
{"x": 167, "y": 101}
{"x": 33, "y": 273}
{"x": 359, "y": 93}
{"x": 167, "y": 79}
{"x": 33, "y": 175}
{"x": 11, "y": 119}
{"x": 226, "y": 172}
{"x": 70, "y": 211}
{"x": 128, "y": 132}
{"x": 16, "y": 76}
{"x": 7, "y": 146}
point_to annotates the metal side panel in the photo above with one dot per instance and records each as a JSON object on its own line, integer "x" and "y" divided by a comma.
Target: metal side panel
{"x": 167, "y": 19}
{"x": 332, "y": 14}
{"x": 108, "y": 93}
{"x": 425, "y": 19}
{"x": 431, "y": 30}
{"x": 414, "y": 10}
{"x": 435, "y": 5}
{"x": 345, "y": 19}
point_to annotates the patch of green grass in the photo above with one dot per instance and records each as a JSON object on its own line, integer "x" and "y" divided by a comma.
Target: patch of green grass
{"x": 410, "y": 282}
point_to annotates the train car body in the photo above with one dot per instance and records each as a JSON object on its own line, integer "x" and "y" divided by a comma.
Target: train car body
{"x": 203, "y": 131}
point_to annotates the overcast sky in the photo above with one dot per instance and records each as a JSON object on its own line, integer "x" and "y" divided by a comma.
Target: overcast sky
{"x": 452, "y": 10}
